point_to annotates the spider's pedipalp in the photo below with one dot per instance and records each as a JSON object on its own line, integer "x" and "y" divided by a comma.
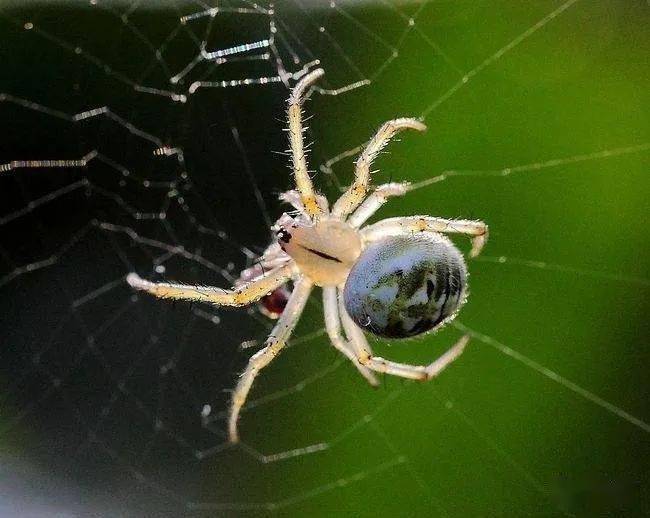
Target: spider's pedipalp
{"x": 355, "y": 194}
{"x": 293, "y": 198}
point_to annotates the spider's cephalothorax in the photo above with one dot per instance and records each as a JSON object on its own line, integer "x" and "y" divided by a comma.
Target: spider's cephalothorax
{"x": 403, "y": 286}
{"x": 325, "y": 250}
{"x": 398, "y": 277}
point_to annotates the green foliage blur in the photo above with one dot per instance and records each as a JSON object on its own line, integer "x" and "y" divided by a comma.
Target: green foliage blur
{"x": 493, "y": 437}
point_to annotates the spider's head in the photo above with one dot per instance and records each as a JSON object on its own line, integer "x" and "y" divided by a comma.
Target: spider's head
{"x": 285, "y": 227}
{"x": 324, "y": 251}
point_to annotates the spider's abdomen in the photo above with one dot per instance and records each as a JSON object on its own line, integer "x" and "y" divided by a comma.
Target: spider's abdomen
{"x": 406, "y": 285}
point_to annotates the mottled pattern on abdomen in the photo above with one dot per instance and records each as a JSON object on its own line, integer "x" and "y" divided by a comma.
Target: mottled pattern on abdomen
{"x": 403, "y": 286}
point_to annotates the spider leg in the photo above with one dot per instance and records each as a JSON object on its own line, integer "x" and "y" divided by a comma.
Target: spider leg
{"x": 239, "y": 296}
{"x": 403, "y": 370}
{"x": 294, "y": 114}
{"x": 414, "y": 224}
{"x": 374, "y": 202}
{"x": 333, "y": 326}
{"x": 355, "y": 194}
{"x": 274, "y": 344}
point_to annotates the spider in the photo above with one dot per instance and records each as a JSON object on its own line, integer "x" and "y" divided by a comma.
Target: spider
{"x": 397, "y": 278}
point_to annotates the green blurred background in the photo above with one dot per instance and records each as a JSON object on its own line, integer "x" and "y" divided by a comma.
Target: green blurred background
{"x": 496, "y": 435}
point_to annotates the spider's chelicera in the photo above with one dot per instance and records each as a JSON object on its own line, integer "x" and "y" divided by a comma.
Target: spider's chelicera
{"x": 396, "y": 278}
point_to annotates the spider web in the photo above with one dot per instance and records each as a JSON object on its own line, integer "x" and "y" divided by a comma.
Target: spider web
{"x": 148, "y": 137}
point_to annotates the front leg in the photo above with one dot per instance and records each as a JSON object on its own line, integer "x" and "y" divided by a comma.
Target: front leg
{"x": 240, "y": 296}
{"x": 414, "y": 224}
{"x": 355, "y": 194}
{"x": 301, "y": 176}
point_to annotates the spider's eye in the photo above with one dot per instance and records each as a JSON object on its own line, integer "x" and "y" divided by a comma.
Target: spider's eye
{"x": 407, "y": 285}
{"x": 283, "y": 236}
